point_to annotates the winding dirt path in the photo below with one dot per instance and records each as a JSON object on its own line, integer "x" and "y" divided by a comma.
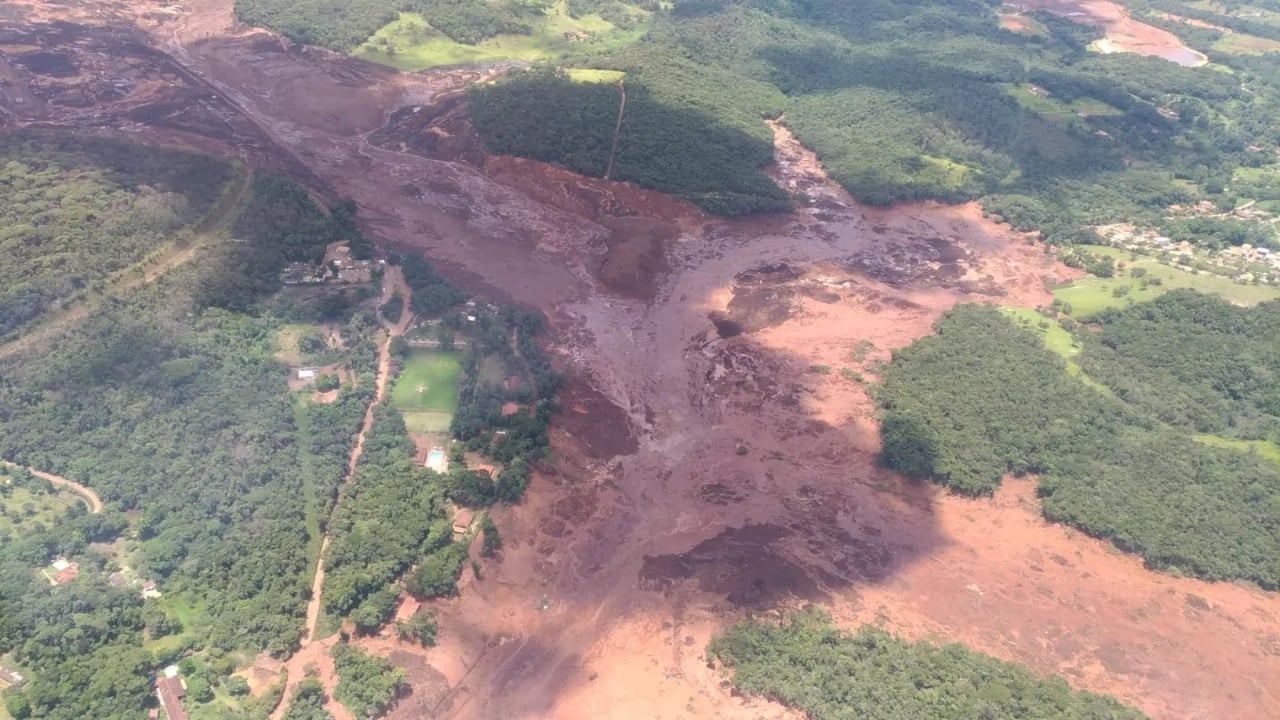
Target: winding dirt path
{"x": 314, "y": 652}
{"x": 87, "y": 494}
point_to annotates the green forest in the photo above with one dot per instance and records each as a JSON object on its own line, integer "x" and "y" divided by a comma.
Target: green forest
{"x": 169, "y": 402}
{"x": 901, "y": 101}
{"x": 983, "y": 398}
{"x": 805, "y": 663}
{"x": 343, "y": 26}
{"x": 78, "y": 209}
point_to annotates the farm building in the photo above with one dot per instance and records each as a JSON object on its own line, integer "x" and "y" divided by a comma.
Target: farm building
{"x": 462, "y": 518}
{"x": 64, "y": 572}
{"x": 170, "y": 691}
{"x": 11, "y": 678}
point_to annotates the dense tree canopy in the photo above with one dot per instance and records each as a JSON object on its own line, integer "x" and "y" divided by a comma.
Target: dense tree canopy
{"x": 807, "y": 664}
{"x": 78, "y": 208}
{"x": 983, "y": 398}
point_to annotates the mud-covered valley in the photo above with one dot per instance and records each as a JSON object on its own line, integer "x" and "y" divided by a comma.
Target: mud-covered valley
{"x": 715, "y": 454}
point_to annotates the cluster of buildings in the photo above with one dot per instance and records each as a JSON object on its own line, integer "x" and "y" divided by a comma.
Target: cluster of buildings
{"x": 337, "y": 267}
{"x": 1124, "y": 235}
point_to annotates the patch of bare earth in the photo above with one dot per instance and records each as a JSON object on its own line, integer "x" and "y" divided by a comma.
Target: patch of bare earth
{"x": 715, "y": 452}
{"x": 1123, "y": 33}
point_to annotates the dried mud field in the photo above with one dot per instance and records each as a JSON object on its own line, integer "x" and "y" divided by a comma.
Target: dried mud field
{"x": 715, "y": 453}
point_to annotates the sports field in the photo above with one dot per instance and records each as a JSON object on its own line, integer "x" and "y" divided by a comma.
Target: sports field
{"x": 1089, "y": 295}
{"x": 426, "y": 392}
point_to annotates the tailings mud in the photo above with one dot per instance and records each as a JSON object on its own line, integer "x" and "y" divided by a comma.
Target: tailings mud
{"x": 715, "y": 454}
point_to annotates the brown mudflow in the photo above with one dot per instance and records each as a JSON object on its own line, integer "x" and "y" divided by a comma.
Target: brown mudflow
{"x": 706, "y": 464}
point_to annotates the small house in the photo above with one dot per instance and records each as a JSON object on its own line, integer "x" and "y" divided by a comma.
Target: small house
{"x": 462, "y": 519}
{"x": 486, "y": 469}
{"x": 170, "y": 691}
{"x": 307, "y": 374}
{"x": 511, "y": 383}
{"x": 11, "y": 678}
{"x": 509, "y": 409}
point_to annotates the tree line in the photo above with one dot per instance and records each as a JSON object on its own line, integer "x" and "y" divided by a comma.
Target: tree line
{"x": 806, "y": 663}
{"x": 982, "y": 399}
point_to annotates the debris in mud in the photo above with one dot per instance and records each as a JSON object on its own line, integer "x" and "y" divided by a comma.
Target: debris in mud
{"x": 746, "y": 565}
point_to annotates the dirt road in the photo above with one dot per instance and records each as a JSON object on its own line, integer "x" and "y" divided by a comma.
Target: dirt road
{"x": 314, "y": 651}
{"x": 91, "y": 499}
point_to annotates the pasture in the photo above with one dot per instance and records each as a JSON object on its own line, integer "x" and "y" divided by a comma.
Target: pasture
{"x": 1052, "y": 108}
{"x": 1056, "y": 339}
{"x": 1266, "y": 450}
{"x": 1090, "y": 295}
{"x": 426, "y": 390}
{"x": 410, "y": 43}
{"x": 21, "y": 509}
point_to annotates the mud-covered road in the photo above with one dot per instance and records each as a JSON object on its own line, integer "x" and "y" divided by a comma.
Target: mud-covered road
{"x": 715, "y": 452}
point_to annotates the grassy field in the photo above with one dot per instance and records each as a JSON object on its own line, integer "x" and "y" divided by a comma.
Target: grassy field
{"x": 1241, "y": 44}
{"x": 426, "y": 392}
{"x": 1056, "y": 339}
{"x": 190, "y": 613}
{"x": 1268, "y": 450}
{"x": 410, "y": 43}
{"x": 21, "y": 509}
{"x": 1090, "y": 295}
{"x": 1055, "y": 109}
{"x": 589, "y": 75}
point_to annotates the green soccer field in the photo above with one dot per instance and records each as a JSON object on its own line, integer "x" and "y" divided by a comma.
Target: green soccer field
{"x": 428, "y": 382}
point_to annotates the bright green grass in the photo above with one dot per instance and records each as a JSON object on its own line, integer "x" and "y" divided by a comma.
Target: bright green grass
{"x": 939, "y": 171}
{"x": 1056, "y": 340}
{"x": 192, "y": 614}
{"x": 590, "y": 75}
{"x": 1266, "y": 450}
{"x": 45, "y": 509}
{"x": 1090, "y": 295}
{"x": 428, "y": 381}
{"x": 1253, "y": 175}
{"x": 429, "y": 421}
{"x": 1054, "y": 109}
{"x": 410, "y": 43}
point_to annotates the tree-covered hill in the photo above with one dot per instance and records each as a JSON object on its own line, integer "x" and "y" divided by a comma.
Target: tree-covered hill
{"x": 912, "y": 100}
{"x": 983, "y": 398}
{"x": 169, "y": 401}
{"x": 807, "y": 664}
{"x": 78, "y": 209}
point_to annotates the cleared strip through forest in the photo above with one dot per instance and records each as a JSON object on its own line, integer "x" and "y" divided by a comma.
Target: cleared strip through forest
{"x": 617, "y": 128}
{"x": 312, "y": 651}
